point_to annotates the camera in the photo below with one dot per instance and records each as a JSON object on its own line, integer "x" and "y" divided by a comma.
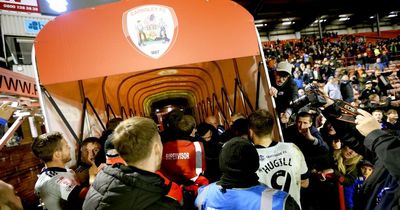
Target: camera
{"x": 313, "y": 97}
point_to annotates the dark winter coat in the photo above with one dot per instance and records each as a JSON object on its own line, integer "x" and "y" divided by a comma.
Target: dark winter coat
{"x": 128, "y": 188}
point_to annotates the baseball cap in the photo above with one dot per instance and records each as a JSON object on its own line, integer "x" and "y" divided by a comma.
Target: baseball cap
{"x": 284, "y": 66}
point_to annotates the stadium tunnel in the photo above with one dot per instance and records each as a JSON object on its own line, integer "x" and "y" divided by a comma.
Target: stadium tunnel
{"x": 90, "y": 70}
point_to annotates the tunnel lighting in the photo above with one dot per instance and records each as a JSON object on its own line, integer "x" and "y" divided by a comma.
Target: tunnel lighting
{"x": 261, "y": 25}
{"x": 58, "y": 5}
{"x": 288, "y": 23}
{"x": 320, "y": 20}
{"x": 260, "y": 21}
{"x": 392, "y": 14}
{"x": 344, "y": 19}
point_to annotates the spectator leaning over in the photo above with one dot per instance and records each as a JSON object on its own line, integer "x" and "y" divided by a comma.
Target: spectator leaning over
{"x": 283, "y": 89}
{"x": 282, "y": 165}
{"x": 238, "y": 187}
{"x": 135, "y": 186}
{"x": 56, "y": 186}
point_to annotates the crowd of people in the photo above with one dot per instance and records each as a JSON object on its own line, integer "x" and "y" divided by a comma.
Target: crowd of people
{"x": 309, "y": 49}
{"x": 340, "y": 137}
{"x": 241, "y": 170}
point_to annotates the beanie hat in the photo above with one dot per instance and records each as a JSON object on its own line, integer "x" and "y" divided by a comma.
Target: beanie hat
{"x": 238, "y": 158}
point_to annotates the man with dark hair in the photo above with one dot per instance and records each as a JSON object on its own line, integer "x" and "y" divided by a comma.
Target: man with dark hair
{"x": 209, "y": 137}
{"x": 185, "y": 127}
{"x": 183, "y": 159}
{"x": 282, "y": 165}
{"x": 316, "y": 153}
{"x": 136, "y": 185}
{"x": 305, "y": 135}
{"x": 108, "y": 155}
{"x": 238, "y": 187}
{"x": 90, "y": 147}
{"x": 171, "y": 124}
{"x": 56, "y": 186}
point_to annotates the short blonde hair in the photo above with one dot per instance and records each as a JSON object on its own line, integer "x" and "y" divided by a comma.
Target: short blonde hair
{"x": 134, "y": 137}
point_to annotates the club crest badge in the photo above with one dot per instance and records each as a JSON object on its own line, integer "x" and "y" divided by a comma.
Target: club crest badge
{"x": 151, "y": 29}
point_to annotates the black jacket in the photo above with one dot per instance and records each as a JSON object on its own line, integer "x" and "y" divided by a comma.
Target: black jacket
{"x": 383, "y": 184}
{"x": 316, "y": 156}
{"x": 128, "y": 188}
{"x": 286, "y": 93}
{"x": 346, "y": 89}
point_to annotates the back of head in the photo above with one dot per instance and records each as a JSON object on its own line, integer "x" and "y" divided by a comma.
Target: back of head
{"x": 203, "y": 128}
{"x": 212, "y": 120}
{"x": 172, "y": 119}
{"x": 240, "y": 127}
{"x": 134, "y": 137}
{"x": 261, "y": 122}
{"x": 186, "y": 124}
{"x": 46, "y": 144}
{"x": 239, "y": 160}
{"x": 113, "y": 123}
{"x": 236, "y": 116}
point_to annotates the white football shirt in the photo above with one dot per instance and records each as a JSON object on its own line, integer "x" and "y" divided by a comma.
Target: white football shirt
{"x": 54, "y": 185}
{"x": 281, "y": 167}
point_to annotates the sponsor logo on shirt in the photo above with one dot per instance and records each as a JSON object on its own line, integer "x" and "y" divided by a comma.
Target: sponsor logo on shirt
{"x": 177, "y": 156}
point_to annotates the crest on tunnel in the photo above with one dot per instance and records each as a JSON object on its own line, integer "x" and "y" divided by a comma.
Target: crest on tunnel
{"x": 151, "y": 29}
